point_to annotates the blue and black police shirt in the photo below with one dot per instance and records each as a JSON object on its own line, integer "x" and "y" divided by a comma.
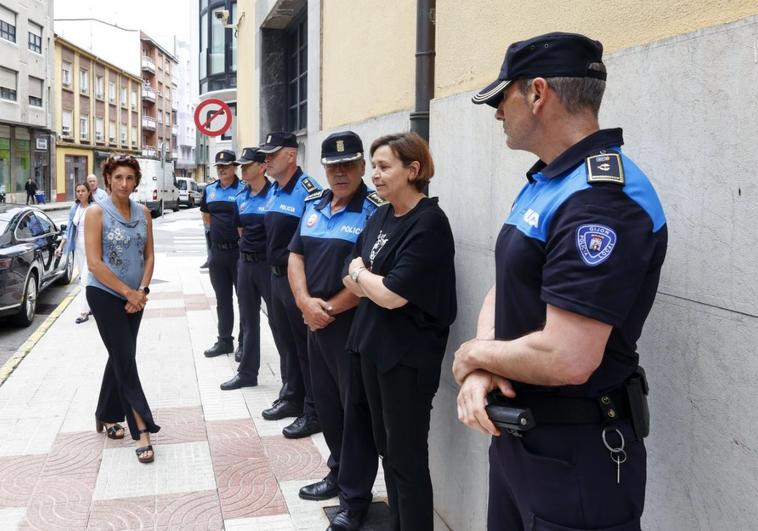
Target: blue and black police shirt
{"x": 284, "y": 208}
{"x": 325, "y": 239}
{"x": 586, "y": 234}
{"x": 220, "y": 203}
{"x": 249, "y": 217}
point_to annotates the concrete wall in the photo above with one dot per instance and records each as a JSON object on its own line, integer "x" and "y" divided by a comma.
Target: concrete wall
{"x": 687, "y": 108}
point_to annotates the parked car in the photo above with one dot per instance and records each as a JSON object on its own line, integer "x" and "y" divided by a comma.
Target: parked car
{"x": 188, "y": 192}
{"x": 28, "y": 264}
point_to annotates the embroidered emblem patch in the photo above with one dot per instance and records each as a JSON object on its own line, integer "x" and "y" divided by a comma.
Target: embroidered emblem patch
{"x": 243, "y": 205}
{"x": 605, "y": 168}
{"x": 595, "y": 243}
{"x": 213, "y": 195}
{"x": 340, "y": 146}
{"x": 311, "y": 220}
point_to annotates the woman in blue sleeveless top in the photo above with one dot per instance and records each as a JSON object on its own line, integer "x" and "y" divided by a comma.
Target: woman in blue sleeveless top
{"x": 119, "y": 241}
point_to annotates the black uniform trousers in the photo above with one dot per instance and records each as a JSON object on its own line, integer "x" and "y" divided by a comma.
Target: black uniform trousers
{"x": 222, "y": 268}
{"x": 290, "y": 335}
{"x": 253, "y": 284}
{"x": 121, "y": 390}
{"x": 400, "y": 401}
{"x": 561, "y": 478}
{"x": 345, "y": 420}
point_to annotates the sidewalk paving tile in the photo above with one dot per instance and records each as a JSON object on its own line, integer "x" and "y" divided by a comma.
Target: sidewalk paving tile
{"x": 18, "y": 475}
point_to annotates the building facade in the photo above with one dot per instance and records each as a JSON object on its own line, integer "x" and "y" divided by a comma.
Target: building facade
{"x": 186, "y": 99}
{"x": 27, "y": 107}
{"x": 319, "y": 66}
{"x": 159, "y": 104}
{"x": 98, "y": 113}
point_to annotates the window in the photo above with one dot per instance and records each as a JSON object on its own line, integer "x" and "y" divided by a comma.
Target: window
{"x": 66, "y": 123}
{"x": 35, "y": 37}
{"x": 84, "y": 127}
{"x": 7, "y": 24}
{"x": 123, "y": 133}
{"x": 203, "y": 46}
{"x": 66, "y": 74}
{"x": 112, "y": 131}
{"x": 124, "y": 94}
{"x": 160, "y": 117}
{"x": 112, "y": 91}
{"x": 234, "y": 40}
{"x": 83, "y": 81}
{"x": 134, "y": 100}
{"x": 99, "y": 87}
{"x": 297, "y": 76}
{"x": 134, "y": 136}
{"x": 217, "y": 43}
{"x": 8, "y": 84}
{"x": 36, "y": 86}
{"x": 99, "y": 124}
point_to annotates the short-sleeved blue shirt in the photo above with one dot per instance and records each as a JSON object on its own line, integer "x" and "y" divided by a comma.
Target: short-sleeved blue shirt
{"x": 220, "y": 203}
{"x": 586, "y": 234}
{"x": 249, "y": 216}
{"x": 325, "y": 239}
{"x": 284, "y": 208}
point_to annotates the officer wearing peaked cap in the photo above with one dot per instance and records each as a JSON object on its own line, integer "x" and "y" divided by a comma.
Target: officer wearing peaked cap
{"x": 555, "y": 348}
{"x": 332, "y": 221}
{"x": 218, "y": 210}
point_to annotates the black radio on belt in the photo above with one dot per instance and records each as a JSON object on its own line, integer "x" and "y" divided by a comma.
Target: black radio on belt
{"x": 514, "y": 419}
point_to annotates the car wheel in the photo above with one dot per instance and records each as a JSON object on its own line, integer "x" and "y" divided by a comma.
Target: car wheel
{"x": 69, "y": 274}
{"x": 176, "y": 206}
{"x": 25, "y": 315}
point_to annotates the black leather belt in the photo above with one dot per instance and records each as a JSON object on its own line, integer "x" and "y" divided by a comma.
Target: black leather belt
{"x": 252, "y": 257}
{"x": 278, "y": 270}
{"x": 224, "y": 245}
{"x": 557, "y": 409}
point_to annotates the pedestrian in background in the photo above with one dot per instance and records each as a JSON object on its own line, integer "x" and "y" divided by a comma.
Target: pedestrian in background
{"x": 403, "y": 271}
{"x": 98, "y": 194}
{"x": 119, "y": 241}
{"x": 73, "y": 241}
{"x": 31, "y": 191}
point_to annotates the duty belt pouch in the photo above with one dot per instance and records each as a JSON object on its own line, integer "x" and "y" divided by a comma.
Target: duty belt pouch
{"x": 636, "y": 390}
{"x": 513, "y": 419}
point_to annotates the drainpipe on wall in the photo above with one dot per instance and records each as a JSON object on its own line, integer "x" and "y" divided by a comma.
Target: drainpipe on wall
{"x": 425, "y": 13}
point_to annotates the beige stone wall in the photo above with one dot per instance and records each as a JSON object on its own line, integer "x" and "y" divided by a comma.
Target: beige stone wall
{"x": 247, "y": 77}
{"x": 472, "y": 36}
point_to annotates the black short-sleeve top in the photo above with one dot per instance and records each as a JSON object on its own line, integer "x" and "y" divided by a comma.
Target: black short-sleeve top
{"x": 586, "y": 234}
{"x": 220, "y": 202}
{"x": 415, "y": 255}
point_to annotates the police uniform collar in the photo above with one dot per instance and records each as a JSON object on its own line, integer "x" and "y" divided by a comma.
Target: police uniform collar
{"x": 234, "y": 184}
{"x": 293, "y": 180}
{"x": 575, "y": 155}
{"x": 262, "y": 192}
{"x": 355, "y": 204}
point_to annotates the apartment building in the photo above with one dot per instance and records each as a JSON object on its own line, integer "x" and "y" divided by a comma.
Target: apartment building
{"x": 186, "y": 98}
{"x": 26, "y": 107}
{"x": 98, "y": 113}
{"x": 159, "y": 103}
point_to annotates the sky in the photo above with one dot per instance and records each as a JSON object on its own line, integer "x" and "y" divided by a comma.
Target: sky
{"x": 160, "y": 19}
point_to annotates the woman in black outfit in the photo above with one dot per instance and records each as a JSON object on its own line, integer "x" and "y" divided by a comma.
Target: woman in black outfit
{"x": 404, "y": 273}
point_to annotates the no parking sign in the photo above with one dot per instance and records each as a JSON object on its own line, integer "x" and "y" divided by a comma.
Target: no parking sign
{"x": 213, "y": 117}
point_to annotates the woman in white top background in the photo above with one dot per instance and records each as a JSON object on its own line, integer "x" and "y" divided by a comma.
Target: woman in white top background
{"x": 74, "y": 241}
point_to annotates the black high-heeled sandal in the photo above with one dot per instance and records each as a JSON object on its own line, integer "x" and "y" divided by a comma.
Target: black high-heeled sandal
{"x": 111, "y": 431}
{"x": 142, "y": 451}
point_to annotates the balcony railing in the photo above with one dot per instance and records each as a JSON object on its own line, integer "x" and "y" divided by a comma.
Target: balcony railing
{"x": 148, "y": 64}
{"x": 148, "y": 93}
{"x": 174, "y": 104}
{"x": 174, "y": 130}
{"x": 148, "y": 122}
{"x": 149, "y": 151}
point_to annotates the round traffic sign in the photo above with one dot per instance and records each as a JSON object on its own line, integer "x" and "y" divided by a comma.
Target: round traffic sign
{"x": 213, "y": 117}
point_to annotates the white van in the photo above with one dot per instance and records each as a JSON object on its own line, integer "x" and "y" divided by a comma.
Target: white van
{"x": 158, "y": 188}
{"x": 189, "y": 194}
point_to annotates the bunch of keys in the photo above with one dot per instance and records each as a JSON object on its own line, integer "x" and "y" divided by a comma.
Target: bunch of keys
{"x": 618, "y": 454}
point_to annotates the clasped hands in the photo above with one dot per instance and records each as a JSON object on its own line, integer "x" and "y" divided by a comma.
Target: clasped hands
{"x": 135, "y": 300}
{"x": 316, "y": 313}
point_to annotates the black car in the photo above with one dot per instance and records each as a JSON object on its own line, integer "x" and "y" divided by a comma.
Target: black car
{"x": 28, "y": 264}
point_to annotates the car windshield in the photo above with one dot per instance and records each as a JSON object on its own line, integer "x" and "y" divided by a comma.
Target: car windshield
{"x": 182, "y": 185}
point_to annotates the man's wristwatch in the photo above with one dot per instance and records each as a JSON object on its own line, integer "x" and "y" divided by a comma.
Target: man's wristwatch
{"x": 145, "y": 289}
{"x": 356, "y": 272}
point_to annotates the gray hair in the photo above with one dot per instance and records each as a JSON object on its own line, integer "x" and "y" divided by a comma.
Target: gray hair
{"x": 577, "y": 94}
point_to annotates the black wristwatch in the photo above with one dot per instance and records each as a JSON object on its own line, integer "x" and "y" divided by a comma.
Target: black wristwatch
{"x": 145, "y": 289}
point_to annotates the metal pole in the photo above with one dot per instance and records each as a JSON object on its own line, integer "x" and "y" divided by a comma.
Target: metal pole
{"x": 425, "y": 44}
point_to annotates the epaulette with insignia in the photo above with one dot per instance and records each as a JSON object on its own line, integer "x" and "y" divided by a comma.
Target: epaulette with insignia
{"x": 605, "y": 168}
{"x": 375, "y": 199}
{"x": 315, "y": 195}
{"x": 308, "y": 185}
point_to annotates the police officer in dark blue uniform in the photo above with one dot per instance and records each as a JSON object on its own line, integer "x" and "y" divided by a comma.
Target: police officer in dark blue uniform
{"x": 253, "y": 272}
{"x": 286, "y": 203}
{"x": 577, "y": 266}
{"x": 219, "y": 207}
{"x": 330, "y": 225}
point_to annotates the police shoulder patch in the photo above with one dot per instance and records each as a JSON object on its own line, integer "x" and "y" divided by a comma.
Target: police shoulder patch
{"x": 315, "y": 195}
{"x": 605, "y": 168}
{"x": 308, "y": 185}
{"x": 595, "y": 243}
{"x": 374, "y": 198}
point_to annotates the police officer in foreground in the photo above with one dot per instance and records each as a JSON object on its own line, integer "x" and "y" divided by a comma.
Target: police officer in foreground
{"x": 218, "y": 207}
{"x": 330, "y": 225}
{"x": 284, "y": 209}
{"x": 253, "y": 273}
{"x": 577, "y": 266}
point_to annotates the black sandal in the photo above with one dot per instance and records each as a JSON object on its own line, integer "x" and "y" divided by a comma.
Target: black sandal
{"x": 111, "y": 431}
{"x": 142, "y": 451}
{"x": 83, "y": 317}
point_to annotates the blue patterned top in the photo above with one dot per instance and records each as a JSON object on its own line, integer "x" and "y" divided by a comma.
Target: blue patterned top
{"x": 123, "y": 245}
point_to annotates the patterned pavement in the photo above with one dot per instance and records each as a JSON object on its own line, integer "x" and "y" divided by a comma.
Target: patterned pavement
{"x": 218, "y": 464}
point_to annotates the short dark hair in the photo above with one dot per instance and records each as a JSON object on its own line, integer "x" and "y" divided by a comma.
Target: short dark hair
{"x": 114, "y": 161}
{"x": 576, "y": 93}
{"x": 409, "y": 147}
{"x": 89, "y": 192}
